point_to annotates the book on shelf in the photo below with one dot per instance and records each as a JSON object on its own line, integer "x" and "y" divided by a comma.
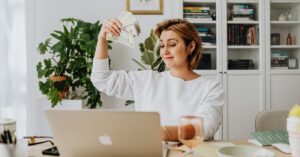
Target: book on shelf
{"x": 196, "y": 9}
{"x": 240, "y": 34}
{"x": 196, "y": 14}
{"x": 240, "y": 64}
{"x": 267, "y": 138}
{"x": 279, "y": 60}
{"x": 207, "y": 35}
{"x": 243, "y": 11}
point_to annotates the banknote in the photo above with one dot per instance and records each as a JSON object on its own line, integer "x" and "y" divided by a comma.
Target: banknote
{"x": 129, "y": 30}
{"x": 124, "y": 38}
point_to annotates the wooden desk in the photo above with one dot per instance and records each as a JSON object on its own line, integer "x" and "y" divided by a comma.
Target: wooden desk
{"x": 242, "y": 142}
{"x": 22, "y": 150}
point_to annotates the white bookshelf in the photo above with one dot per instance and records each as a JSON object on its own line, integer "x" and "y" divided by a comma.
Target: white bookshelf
{"x": 264, "y": 87}
{"x": 282, "y": 83}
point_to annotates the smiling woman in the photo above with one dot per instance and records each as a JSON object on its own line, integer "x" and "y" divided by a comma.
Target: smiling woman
{"x": 174, "y": 93}
{"x": 13, "y": 62}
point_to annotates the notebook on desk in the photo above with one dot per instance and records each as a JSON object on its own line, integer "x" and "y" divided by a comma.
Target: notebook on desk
{"x": 82, "y": 133}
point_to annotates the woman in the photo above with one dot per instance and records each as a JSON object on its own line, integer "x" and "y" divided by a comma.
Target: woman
{"x": 174, "y": 93}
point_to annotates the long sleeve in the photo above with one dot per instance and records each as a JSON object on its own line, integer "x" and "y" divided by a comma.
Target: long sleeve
{"x": 117, "y": 83}
{"x": 211, "y": 110}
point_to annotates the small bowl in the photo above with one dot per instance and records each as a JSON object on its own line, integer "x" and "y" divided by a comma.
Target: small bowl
{"x": 244, "y": 151}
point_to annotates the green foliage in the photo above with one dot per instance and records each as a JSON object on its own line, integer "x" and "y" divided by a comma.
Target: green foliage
{"x": 69, "y": 52}
{"x": 150, "y": 55}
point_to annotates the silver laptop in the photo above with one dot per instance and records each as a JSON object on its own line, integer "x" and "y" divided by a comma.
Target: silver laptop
{"x": 95, "y": 133}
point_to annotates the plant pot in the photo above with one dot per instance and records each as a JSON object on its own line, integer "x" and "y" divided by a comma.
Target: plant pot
{"x": 64, "y": 91}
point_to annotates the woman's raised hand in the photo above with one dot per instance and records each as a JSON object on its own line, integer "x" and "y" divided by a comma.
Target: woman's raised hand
{"x": 112, "y": 26}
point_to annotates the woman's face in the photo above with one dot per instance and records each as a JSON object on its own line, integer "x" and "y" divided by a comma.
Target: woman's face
{"x": 173, "y": 50}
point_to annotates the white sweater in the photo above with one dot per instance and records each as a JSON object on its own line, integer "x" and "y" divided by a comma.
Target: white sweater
{"x": 172, "y": 97}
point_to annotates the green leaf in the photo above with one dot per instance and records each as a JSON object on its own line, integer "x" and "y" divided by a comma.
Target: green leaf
{"x": 66, "y": 32}
{"x": 153, "y": 36}
{"x": 157, "y": 62}
{"x": 44, "y": 87}
{"x": 39, "y": 70}
{"x": 56, "y": 36}
{"x": 147, "y": 57}
{"x": 142, "y": 48}
{"x": 161, "y": 67}
{"x": 58, "y": 47}
{"x": 149, "y": 44}
{"x": 53, "y": 96}
{"x": 47, "y": 63}
{"x": 129, "y": 102}
{"x": 43, "y": 47}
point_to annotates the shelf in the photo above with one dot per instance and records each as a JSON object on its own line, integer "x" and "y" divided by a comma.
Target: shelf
{"x": 244, "y": 72}
{"x": 284, "y": 72}
{"x": 285, "y": 22}
{"x": 209, "y": 47}
{"x": 243, "y": 1}
{"x": 285, "y": 1}
{"x": 199, "y": 21}
{"x": 243, "y": 47}
{"x": 199, "y": 1}
{"x": 282, "y": 4}
{"x": 285, "y": 46}
{"x": 207, "y": 72}
{"x": 242, "y": 22}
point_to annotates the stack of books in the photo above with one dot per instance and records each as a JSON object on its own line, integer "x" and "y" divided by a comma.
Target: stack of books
{"x": 242, "y": 12}
{"x": 196, "y": 14}
{"x": 279, "y": 60}
{"x": 243, "y": 35}
{"x": 207, "y": 36}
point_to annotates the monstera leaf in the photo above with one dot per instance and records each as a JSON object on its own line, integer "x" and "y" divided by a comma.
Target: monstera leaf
{"x": 150, "y": 56}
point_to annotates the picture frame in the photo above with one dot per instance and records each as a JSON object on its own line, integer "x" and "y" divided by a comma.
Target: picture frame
{"x": 275, "y": 38}
{"x": 144, "y": 6}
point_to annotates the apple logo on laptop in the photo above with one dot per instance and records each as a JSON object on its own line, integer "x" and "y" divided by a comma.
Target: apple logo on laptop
{"x": 105, "y": 139}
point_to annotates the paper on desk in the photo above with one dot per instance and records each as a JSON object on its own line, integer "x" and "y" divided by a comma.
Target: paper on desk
{"x": 204, "y": 149}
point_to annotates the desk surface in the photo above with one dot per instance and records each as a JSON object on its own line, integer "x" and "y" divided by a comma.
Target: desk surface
{"x": 240, "y": 142}
{"x": 35, "y": 151}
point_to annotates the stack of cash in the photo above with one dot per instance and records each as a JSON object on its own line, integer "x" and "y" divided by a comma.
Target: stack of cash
{"x": 129, "y": 30}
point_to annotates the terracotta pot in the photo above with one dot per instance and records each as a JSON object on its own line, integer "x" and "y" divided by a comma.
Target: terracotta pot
{"x": 63, "y": 93}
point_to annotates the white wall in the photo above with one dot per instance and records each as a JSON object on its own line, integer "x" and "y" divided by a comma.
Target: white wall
{"x": 43, "y": 17}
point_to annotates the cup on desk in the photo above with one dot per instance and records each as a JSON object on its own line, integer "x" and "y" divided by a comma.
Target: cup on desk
{"x": 293, "y": 127}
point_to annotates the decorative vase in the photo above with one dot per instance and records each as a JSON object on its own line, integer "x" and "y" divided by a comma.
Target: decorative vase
{"x": 282, "y": 17}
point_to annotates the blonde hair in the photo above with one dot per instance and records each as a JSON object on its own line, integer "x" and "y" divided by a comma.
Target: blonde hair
{"x": 187, "y": 32}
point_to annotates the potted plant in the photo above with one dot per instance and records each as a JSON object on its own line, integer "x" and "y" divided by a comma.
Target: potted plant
{"x": 150, "y": 57}
{"x": 65, "y": 71}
